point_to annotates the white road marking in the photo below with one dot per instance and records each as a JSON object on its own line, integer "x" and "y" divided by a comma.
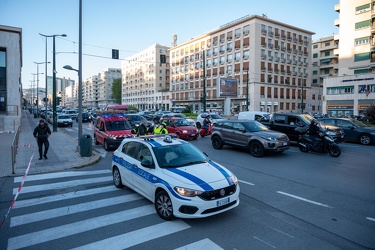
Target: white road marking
{"x": 371, "y": 219}
{"x": 60, "y": 174}
{"x": 65, "y": 196}
{"x": 60, "y": 185}
{"x": 248, "y": 183}
{"x": 202, "y": 244}
{"x": 59, "y": 232}
{"x": 303, "y": 199}
{"x": 68, "y": 210}
{"x": 138, "y": 236}
{"x": 282, "y": 232}
{"x": 264, "y": 242}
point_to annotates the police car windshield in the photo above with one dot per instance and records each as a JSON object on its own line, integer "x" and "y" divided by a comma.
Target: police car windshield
{"x": 117, "y": 125}
{"x": 174, "y": 156}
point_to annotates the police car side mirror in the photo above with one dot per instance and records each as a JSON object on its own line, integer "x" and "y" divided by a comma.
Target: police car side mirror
{"x": 147, "y": 163}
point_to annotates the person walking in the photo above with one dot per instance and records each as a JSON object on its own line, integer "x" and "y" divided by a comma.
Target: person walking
{"x": 41, "y": 133}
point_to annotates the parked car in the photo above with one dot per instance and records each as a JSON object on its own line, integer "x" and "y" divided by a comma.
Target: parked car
{"x": 354, "y": 130}
{"x": 176, "y": 176}
{"x": 214, "y": 117}
{"x": 72, "y": 113}
{"x": 179, "y": 115}
{"x": 147, "y": 114}
{"x": 85, "y": 117}
{"x": 64, "y": 121}
{"x": 248, "y": 134}
{"x": 288, "y": 122}
{"x": 180, "y": 127}
{"x": 135, "y": 120}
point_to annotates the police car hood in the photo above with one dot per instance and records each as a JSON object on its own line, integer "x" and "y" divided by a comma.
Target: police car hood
{"x": 205, "y": 175}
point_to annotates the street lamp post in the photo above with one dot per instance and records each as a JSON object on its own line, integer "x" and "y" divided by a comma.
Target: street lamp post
{"x": 54, "y": 114}
{"x": 247, "y": 89}
{"x": 37, "y": 88}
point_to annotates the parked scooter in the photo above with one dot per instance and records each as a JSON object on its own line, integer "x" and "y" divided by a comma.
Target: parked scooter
{"x": 204, "y": 132}
{"x": 326, "y": 142}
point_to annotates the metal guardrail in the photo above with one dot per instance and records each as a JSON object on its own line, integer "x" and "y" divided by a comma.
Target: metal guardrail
{"x": 14, "y": 147}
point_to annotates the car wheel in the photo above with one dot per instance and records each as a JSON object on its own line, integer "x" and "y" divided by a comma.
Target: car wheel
{"x": 365, "y": 139}
{"x": 217, "y": 143}
{"x": 117, "y": 178}
{"x": 199, "y": 126}
{"x": 106, "y": 147}
{"x": 256, "y": 149}
{"x": 163, "y": 205}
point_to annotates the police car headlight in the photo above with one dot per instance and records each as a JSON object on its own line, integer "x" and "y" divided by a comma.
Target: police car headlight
{"x": 233, "y": 180}
{"x": 184, "y": 131}
{"x": 187, "y": 192}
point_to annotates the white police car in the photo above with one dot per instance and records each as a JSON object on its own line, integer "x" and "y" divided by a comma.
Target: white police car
{"x": 176, "y": 176}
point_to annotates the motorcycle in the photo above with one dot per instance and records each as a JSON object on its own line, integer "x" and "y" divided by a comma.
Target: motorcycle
{"x": 204, "y": 132}
{"x": 326, "y": 142}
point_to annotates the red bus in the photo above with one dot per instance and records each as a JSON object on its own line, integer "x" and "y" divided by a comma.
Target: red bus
{"x": 117, "y": 107}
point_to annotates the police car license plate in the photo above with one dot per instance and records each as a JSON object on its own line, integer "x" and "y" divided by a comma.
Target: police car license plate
{"x": 285, "y": 143}
{"x": 222, "y": 202}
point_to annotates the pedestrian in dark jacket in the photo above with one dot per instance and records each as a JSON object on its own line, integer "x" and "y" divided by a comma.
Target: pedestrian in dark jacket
{"x": 41, "y": 134}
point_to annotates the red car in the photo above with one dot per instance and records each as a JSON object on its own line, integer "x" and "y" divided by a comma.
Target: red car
{"x": 180, "y": 127}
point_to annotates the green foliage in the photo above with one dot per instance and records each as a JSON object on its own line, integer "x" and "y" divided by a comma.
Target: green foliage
{"x": 370, "y": 114}
{"x": 117, "y": 90}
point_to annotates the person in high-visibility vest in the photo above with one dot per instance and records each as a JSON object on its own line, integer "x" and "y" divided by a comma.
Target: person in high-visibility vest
{"x": 157, "y": 129}
{"x": 164, "y": 128}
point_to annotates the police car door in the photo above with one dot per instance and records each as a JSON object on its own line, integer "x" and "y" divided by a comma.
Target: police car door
{"x": 144, "y": 175}
{"x": 128, "y": 162}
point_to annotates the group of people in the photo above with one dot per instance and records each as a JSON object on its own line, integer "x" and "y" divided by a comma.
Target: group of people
{"x": 156, "y": 130}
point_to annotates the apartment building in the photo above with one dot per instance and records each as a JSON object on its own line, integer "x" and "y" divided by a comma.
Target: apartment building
{"x": 352, "y": 89}
{"x": 10, "y": 77}
{"x": 269, "y": 59}
{"x": 105, "y": 80}
{"x": 90, "y": 92}
{"x": 145, "y": 79}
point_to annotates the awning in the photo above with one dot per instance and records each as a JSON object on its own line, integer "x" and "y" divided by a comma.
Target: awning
{"x": 325, "y": 60}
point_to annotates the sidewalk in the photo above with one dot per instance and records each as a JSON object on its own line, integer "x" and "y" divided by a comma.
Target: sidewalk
{"x": 61, "y": 154}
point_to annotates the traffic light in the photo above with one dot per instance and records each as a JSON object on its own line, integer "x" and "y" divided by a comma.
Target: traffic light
{"x": 58, "y": 100}
{"x": 163, "y": 59}
{"x": 115, "y": 54}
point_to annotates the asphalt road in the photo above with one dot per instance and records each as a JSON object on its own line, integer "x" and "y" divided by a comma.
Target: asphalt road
{"x": 291, "y": 200}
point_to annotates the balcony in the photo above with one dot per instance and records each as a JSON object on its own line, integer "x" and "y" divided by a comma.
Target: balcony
{"x": 263, "y": 57}
{"x": 264, "y": 31}
{"x": 337, "y": 22}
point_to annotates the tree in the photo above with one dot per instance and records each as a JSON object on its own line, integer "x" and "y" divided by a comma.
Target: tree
{"x": 370, "y": 113}
{"x": 117, "y": 90}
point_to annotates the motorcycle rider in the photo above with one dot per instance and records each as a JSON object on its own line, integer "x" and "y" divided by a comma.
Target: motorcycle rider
{"x": 206, "y": 123}
{"x": 314, "y": 131}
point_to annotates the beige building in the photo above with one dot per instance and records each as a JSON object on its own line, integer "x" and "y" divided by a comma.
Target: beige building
{"x": 145, "y": 80}
{"x": 105, "y": 80}
{"x": 351, "y": 88}
{"x": 10, "y": 77}
{"x": 269, "y": 59}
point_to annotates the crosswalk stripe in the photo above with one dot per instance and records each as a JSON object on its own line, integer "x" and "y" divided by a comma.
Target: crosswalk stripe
{"x": 50, "y": 234}
{"x": 68, "y": 210}
{"x": 65, "y": 196}
{"x": 59, "y": 185}
{"x": 202, "y": 244}
{"x": 138, "y": 236}
{"x": 60, "y": 175}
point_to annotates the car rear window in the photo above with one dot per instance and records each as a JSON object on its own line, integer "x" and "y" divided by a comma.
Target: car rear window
{"x": 63, "y": 117}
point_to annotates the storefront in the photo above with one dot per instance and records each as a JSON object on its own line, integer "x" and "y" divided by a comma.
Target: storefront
{"x": 340, "y": 108}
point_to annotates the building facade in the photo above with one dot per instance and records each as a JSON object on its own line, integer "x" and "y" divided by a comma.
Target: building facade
{"x": 352, "y": 89}
{"x": 145, "y": 79}
{"x": 269, "y": 59}
{"x": 105, "y": 80}
{"x": 10, "y": 77}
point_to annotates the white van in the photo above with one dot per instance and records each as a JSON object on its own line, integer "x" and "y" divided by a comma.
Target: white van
{"x": 252, "y": 115}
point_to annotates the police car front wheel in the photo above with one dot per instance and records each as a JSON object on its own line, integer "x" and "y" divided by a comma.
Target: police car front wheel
{"x": 163, "y": 205}
{"x": 117, "y": 178}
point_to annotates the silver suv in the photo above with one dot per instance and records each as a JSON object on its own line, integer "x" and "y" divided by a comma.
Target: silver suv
{"x": 248, "y": 134}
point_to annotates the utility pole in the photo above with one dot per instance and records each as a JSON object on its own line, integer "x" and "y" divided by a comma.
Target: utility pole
{"x": 204, "y": 82}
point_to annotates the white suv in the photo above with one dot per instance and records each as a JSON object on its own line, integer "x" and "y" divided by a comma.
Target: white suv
{"x": 176, "y": 176}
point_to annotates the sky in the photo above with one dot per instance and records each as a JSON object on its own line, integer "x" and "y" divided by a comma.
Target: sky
{"x": 132, "y": 26}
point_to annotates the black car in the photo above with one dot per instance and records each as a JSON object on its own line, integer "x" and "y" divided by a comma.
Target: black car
{"x": 135, "y": 120}
{"x": 354, "y": 130}
{"x": 159, "y": 114}
{"x": 85, "y": 117}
